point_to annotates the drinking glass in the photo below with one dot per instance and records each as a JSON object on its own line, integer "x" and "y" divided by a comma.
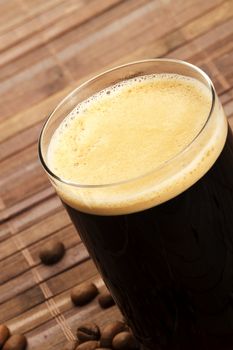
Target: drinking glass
{"x": 167, "y": 261}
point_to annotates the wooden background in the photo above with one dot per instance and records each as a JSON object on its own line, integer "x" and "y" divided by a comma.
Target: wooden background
{"x": 47, "y": 47}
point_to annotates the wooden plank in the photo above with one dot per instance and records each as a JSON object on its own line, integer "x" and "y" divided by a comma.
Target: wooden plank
{"x": 21, "y": 176}
{"x": 42, "y": 229}
{"x": 5, "y": 231}
{"x": 26, "y": 119}
{"x": 15, "y": 306}
{"x": 11, "y": 14}
{"x": 39, "y": 30}
{"x": 14, "y": 12}
{"x": 15, "y": 287}
{"x": 200, "y": 44}
{"x": 57, "y": 284}
{"x": 16, "y": 264}
{"x": 184, "y": 11}
{"x": 21, "y": 141}
{"x": 30, "y": 214}
{"x": 32, "y": 318}
{"x": 62, "y": 300}
{"x": 209, "y": 20}
{"x": 12, "y": 267}
{"x": 31, "y": 86}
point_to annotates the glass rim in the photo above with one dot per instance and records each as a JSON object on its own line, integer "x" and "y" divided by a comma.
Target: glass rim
{"x": 96, "y": 77}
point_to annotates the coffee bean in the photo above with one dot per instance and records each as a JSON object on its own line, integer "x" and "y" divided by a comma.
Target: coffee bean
{"x": 81, "y": 295}
{"x": 88, "y": 331}
{"x": 124, "y": 341}
{"x": 52, "y": 252}
{"x": 103, "y": 349}
{"x": 4, "y": 334}
{"x": 109, "y": 332}
{"x": 105, "y": 299}
{"x": 15, "y": 342}
{"x": 88, "y": 345}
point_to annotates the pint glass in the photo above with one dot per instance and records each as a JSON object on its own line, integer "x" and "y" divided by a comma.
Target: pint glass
{"x": 161, "y": 239}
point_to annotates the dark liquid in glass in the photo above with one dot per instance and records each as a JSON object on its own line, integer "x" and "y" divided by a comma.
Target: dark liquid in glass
{"x": 170, "y": 268}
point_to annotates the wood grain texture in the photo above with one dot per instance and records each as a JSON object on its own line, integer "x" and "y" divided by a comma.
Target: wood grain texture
{"x": 46, "y": 49}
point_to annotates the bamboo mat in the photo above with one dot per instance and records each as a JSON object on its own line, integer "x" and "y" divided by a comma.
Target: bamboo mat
{"x": 46, "y": 49}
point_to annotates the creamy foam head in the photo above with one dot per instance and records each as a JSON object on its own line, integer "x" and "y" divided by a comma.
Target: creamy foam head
{"x": 139, "y": 133}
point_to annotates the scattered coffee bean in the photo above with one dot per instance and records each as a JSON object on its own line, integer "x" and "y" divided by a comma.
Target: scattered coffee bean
{"x": 15, "y": 342}
{"x": 81, "y": 295}
{"x": 103, "y": 349}
{"x": 105, "y": 299}
{"x": 88, "y": 345}
{"x": 52, "y": 252}
{"x": 4, "y": 334}
{"x": 88, "y": 331}
{"x": 109, "y": 332}
{"x": 124, "y": 341}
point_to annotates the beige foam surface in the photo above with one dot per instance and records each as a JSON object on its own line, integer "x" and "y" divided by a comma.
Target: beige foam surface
{"x": 133, "y": 129}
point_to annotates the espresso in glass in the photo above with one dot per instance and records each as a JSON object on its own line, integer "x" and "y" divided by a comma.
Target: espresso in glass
{"x": 142, "y": 158}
